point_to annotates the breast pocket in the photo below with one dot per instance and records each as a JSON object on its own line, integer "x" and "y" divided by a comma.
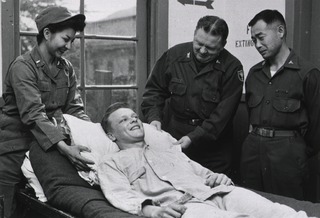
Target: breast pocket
{"x": 134, "y": 173}
{"x": 62, "y": 92}
{"x": 286, "y": 105}
{"x": 45, "y": 89}
{"x": 286, "y": 112}
{"x": 178, "y": 89}
{"x": 210, "y": 100}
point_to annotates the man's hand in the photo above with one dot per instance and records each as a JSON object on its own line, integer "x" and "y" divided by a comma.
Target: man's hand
{"x": 218, "y": 179}
{"x": 74, "y": 156}
{"x": 157, "y": 124}
{"x": 185, "y": 142}
{"x": 173, "y": 210}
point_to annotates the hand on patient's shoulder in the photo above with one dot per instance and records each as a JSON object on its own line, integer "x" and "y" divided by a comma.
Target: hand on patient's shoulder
{"x": 159, "y": 139}
{"x": 156, "y": 124}
{"x": 216, "y": 179}
{"x": 172, "y": 210}
{"x": 74, "y": 156}
{"x": 184, "y": 142}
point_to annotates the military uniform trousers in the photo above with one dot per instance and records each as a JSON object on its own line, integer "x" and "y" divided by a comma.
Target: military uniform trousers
{"x": 275, "y": 164}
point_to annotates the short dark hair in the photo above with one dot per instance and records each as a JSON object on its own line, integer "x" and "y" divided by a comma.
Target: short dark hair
{"x": 112, "y": 108}
{"x": 269, "y": 17}
{"x": 75, "y": 23}
{"x": 215, "y": 26}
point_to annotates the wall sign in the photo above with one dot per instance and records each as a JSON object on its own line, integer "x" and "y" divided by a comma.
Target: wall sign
{"x": 207, "y": 3}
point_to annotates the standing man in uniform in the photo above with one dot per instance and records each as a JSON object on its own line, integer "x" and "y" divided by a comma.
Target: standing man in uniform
{"x": 283, "y": 99}
{"x": 202, "y": 83}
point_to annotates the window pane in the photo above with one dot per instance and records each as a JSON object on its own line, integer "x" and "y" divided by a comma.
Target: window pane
{"x": 30, "y": 9}
{"x": 110, "y": 62}
{"x": 97, "y": 101}
{"x": 112, "y": 17}
{"x": 27, "y": 43}
{"x": 73, "y": 55}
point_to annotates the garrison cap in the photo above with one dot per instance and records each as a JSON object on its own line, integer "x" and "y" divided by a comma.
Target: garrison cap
{"x": 55, "y": 14}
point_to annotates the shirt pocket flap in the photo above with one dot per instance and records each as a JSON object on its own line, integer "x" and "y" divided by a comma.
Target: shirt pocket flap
{"x": 211, "y": 96}
{"x": 177, "y": 86}
{"x": 286, "y": 105}
{"x": 44, "y": 86}
{"x": 254, "y": 101}
{"x": 134, "y": 174}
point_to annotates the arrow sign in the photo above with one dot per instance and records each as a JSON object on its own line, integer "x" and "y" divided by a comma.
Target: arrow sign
{"x": 207, "y": 3}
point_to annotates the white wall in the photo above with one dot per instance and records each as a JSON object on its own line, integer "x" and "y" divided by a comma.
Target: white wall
{"x": 237, "y": 13}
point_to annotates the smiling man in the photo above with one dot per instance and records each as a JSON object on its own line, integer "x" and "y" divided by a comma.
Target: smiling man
{"x": 202, "y": 84}
{"x": 282, "y": 94}
{"x": 163, "y": 182}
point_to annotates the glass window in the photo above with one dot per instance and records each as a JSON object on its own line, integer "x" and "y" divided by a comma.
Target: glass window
{"x": 99, "y": 100}
{"x": 112, "y": 17}
{"x": 111, "y": 56}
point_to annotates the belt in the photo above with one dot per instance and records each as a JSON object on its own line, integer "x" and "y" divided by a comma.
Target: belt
{"x": 192, "y": 122}
{"x": 270, "y": 133}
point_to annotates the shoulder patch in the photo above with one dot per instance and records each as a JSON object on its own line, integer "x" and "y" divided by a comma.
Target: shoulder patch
{"x": 240, "y": 75}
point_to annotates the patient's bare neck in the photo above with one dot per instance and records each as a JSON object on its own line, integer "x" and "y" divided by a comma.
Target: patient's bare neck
{"x": 128, "y": 145}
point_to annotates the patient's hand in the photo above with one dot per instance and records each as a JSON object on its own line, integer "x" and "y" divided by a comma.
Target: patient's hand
{"x": 156, "y": 124}
{"x": 218, "y": 179}
{"x": 185, "y": 142}
{"x": 173, "y": 210}
{"x": 74, "y": 156}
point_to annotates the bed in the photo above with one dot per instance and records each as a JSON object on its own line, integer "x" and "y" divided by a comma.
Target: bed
{"x": 33, "y": 207}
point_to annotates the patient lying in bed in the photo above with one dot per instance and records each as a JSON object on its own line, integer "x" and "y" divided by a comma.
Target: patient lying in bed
{"x": 161, "y": 142}
{"x": 163, "y": 182}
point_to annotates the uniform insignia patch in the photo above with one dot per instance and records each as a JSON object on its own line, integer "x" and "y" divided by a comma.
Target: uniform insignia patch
{"x": 188, "y": 55}
{"x": 241, "y": 75}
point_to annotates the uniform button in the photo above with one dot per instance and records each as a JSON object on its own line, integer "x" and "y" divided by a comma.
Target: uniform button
{"x": 188, "y": 109}
{"x": 270, "y": 83}
{"x": 267, "y": 102}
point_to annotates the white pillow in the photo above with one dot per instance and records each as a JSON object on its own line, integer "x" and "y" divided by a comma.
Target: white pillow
{"x": 90, "y": 135}
{"x": 33, "y": 181}
{"x": 93, "y": 136}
